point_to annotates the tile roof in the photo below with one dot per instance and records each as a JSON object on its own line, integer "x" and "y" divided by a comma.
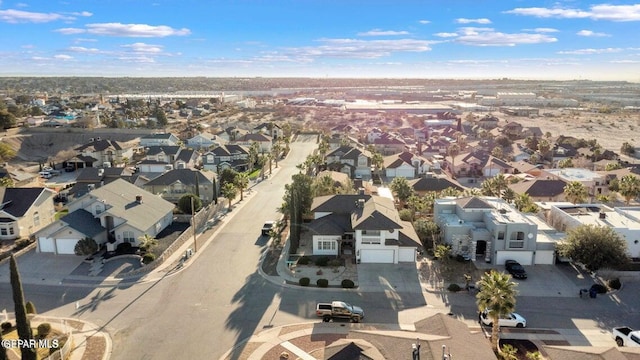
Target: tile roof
{"x": 17, "y": 201}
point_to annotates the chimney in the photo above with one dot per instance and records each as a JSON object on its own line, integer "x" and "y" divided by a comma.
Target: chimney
{"x": 139, "y": 199}
{"x": 360, "y": 203}
{"x": 361, "y": 191}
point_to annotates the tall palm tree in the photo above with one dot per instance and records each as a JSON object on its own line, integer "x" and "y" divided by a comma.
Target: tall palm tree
{"x": 241, "y": 182}
{"x": 276, "y": 149}
{"x": 575, "y": 192}
{"x": 147, "y": 241}
{"x": 629, "y": 186}
{"x": 453, "y": 151}
{"x": 497, "y": 296}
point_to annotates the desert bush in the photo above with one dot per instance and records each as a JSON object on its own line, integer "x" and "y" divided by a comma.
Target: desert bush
{"x": 335, "y": 263}
{"x": 304, "y": 281}
{"x": 6, "y": 326}
{"x": 43, "y": 330}
{"x": 322, "y": 261}
{"x": 148, "y": 258}
{"x": 323, "y": 283}
{"x": 615, "y": 284}
{"x": 30, "y": 307}
{"x": 124, "y": 248}
{"x": 348, "y": 284}
{"x": 305, "y": 260}
{"x": 454, "y": 288}
{"x": 85, "y": 246}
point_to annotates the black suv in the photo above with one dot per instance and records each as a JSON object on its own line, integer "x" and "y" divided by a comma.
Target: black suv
{"x": 515, "y": 269}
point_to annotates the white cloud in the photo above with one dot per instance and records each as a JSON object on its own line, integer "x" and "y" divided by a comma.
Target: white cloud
{"x": 84, "y": 50}
{"x": 625, "y": 61}
{"x": 424, "y": 22}
{"x": 137, "y": 59}
{"x": 378, "y": 32}
{"x": 545, "y": 30}
{"x": 445, "y": 34}
{"x": 19, "y": 16}
{"x": 63, "y": 57}
{"x": 358, "y": 49}
{"x": 489, "y": 37}
{"x": 127, "y": 30}
{"x": 589, "y": 33}
{"x": 596, "y": 12}
{"x": 82, "y": 13}
{"x": 144, "y": 48}
{"x": 473, "y": 21}
{"x": 590, "y": 51}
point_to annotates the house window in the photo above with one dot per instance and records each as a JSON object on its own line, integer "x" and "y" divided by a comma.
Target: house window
{"x": 370, "y": 232}
{"x": 11, "y": 231}
{"x": 128, "y": 236}
{"x": 3, "y": 231}
{"x": 326, "y": 245}
{"x": 36, "y": 219}
{"x": 98, "y": 209}
{"x": 500, "y": 235}
{"x": 518, "y": 235}
{"x": 516, "y": 244}
{"x": 210, "y": 159}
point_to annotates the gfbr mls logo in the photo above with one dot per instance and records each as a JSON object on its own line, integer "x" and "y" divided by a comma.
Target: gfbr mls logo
{"x": 30, "y": 343}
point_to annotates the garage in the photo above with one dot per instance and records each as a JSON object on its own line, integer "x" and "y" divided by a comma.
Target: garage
{"x": 407, "y": 255}
{"x": 45, "y": 245}
{"x": 523, "y": 257}
{"x": 381, "y": 256}
{"x": 66, "y": 246}
{"x": 545, "y": 257}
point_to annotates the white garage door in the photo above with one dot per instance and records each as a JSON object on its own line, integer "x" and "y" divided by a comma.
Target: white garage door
{"x": 66, "y": 246}
{"x": 406, "y": 173}
{"x": 523, "y": 257}
{"x": 545, "y": 257}
{"x": 45, "y": 245}
{"x": 407, "y": 255}
{"x": 376, "y": 256}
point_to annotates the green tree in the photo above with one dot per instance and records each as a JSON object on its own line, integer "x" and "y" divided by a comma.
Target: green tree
{"x": 509, "y": 195}
{"x": 147, "y": 242}
{"x": 565, "y": 163}
{"x": 497, "y": 296}
{"x": 497, "y": 152}
{"x": 524, "y": 203}
{"x": 241, "y": 182}
{"x": 7, "y": 120}
{"x": 6, "y": 182}
{"x": 188, "y": 202}
{"x": 627, "y": 149}
{"x": 6, "y": 152}
{"x": 298, "y": 197}
{"x": 85, "y": 247}
{"x": 453, "y": 151}
{"x": 594, "y": 246}
{"x": 228, "y": 176}
{"x": 230, "y": 192}
{"x": 613, "y": 166}
{"x": 575, "y": 192}
{"x": 323, "y": 185}
{"x": 253, "y": 155}
{"x": 400, "y": 186}
{"x": 22, "y": 321}
{"x": 428, "y": 232}
{"x": 544, "y": 148}
{"x": 161, "y": 117}
{"x": 629, "y": 187}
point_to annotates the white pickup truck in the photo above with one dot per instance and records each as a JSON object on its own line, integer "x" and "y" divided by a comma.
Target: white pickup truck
{"x": 339, "y": 309}
{"x": 626, "y": 336}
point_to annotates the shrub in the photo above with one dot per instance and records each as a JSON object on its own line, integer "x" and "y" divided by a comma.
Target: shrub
{"x": 615, "y": 284}
{"x": 348, "y": 284}
{"x": 335, "y": 263}
{"x": 30, "y": 308}
{"x": 454, "y": 288}
{"x": 600, "y": 289}
{"x": 148, "y": 258}
{"x": 323, "y": 283}
{"x": 124, "y": 248}
{"x": 6, "y": 326}
{"x": 86, "y": 246}
{"x": 43, "y": 330}
{"x": 305, "y": 260}
{"x": 304, "y": 281}
{"x": 21, "y": 243}
{"x": 322, "y": 261}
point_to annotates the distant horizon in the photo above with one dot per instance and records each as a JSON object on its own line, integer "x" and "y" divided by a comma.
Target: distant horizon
{"x": 537, "y": 40}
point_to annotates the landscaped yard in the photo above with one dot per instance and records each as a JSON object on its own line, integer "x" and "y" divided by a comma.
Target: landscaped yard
{"x": 42, "y": 352}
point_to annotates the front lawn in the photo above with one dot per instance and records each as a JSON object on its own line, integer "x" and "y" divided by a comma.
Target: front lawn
{"x": 254, "y": 174}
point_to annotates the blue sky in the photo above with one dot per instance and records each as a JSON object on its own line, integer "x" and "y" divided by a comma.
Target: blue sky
{"x": 477, "y": 39}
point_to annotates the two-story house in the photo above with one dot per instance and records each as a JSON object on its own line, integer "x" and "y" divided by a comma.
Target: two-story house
{"x": 350, "y": 160}
{"x": 203, "y": 140}
{"x": 92, "y": 178}
{"x": 271, "y": 129}
{"x": 228, "y": 156}
{"x": 159, "y": 159}
{"x": 365, "y": 226}
{"x": 595, "y": 183}
{"x": 489, "y": 229}
{"x": 263, "y": 141}
{"x": 406, "y": 165}
{"x": 23, "y": 211}
{"x": 388, "y": 144}
{"x": 174, "y": 184}
{"x": 163, "y": 139}
{"x": 101, "y": 153}
{"x": 115, "y": 213}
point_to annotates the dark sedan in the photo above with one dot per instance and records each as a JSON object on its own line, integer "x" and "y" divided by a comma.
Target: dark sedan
{"x": 515, "y": 269}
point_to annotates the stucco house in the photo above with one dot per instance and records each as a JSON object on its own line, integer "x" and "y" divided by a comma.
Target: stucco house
{"x": 263, "y": 141}
{"x": 489, "y": 229}
{"x": 174, "y": 184}
{"x": 204, "y": 140}
{"x": 23, "y": 211}
{"x": 161, "y": 139}
{"x": 270, "y": 129}
{"x": 101, "y": 153}
{"x": 367, "y": 226}
{"x": 406, "y": 165}
{"x": 350, "y": 160}
{"x": 230, "y": 156}
{"x": 112, "y": 214}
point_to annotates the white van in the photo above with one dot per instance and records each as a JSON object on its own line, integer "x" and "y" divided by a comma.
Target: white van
{"x": 45, "y": 174}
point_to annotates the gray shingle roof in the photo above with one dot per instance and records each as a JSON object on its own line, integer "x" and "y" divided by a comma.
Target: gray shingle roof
{"x": 100, "y": 145}
{"x": 433, "y": 184}
{"x": 185, "y": 176}
{"x": 169, "y": 150}
{"x": 539, "y": 187}
{"x": 84, "y": 222}
{"x": 473, "y": 203}
{"x": 378, "y": 213}
{"x": 16, "y": 201}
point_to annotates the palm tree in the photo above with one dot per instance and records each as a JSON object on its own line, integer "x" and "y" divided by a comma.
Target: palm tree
{"x": 324, "y": 186}
{"x": 544, "y": 147}
{"x": 276, "y": 149}
{"x": 401, "y": 188}
{"x": 147, "y": 242}
{"x": 453, "y": 151}
{"x": 253, "y": 155}
{"x": 629, "y": 186}
{"x": 229, "y": 191}
{"x": 575, "y": 192}
{"x": 497, "y": 296}
{"x": 241, "y": 182}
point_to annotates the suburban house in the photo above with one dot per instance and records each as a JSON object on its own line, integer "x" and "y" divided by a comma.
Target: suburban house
{"x": 100, "y": 153}
{"x": 490, "y": 229}
{"x": 431, "y": 183}
{"x": 340, "y": 180}
{"x": 91, "y": 178}
{"x": 350, "y": 160}
{"x": 495, "y": 166}
{"x": 115, "y": 213}
{"x": 595, "y": 183}
{"x": 264, "y": 142}
{"x": 228, "y": 156}
{"x": 272, "y": 130}
{"x": 159, "y": 159}
{"x": 174, "y": 184}
{"x": 406, "y": 165}
{"x": 625, "y": 221}
{"x": 204, "y": 140}
{"x": 389, "y": 144}
{"x": 365, "y": 225}
{"x": 541, "y": 189}
{"x": 231, "y": 133}
{"x": 165, "y": 139}
{"x": 23, "y": 211}
{"x": 469, "y": 164}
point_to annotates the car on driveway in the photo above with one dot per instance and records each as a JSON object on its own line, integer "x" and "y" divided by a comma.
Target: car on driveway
{"x": 509, "y": 320}
{"x": 515, "y": 269}
{"x": 266, "y": 228}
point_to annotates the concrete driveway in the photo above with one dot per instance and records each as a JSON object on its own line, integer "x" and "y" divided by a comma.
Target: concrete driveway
{"x": 388, "y": 277}
{"x": 560, "y": 280}
{"x": 42, "y": 268}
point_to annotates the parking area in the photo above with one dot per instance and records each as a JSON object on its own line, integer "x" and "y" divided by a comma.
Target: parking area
{"x": 40, "y": 268}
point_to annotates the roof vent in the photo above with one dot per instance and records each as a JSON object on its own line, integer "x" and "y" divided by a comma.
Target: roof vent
{"x": 139, "y": 199}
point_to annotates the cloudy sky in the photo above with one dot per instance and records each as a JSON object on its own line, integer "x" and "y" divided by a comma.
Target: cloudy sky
{"x": 329, "y": 38}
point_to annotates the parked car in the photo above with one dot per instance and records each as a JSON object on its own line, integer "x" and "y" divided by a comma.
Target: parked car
{"x": 515, "y": 269}
{"x": 509, "y": 320}
{"x": 266, "y": 228}
{"x": 626, "y": 336}
{"x": 339, "y": 309}
{"x": 45, "y": 174}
